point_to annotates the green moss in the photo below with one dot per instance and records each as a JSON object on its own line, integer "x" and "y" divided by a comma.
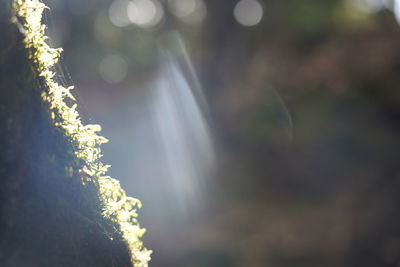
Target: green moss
{"x": 85, "y": 141}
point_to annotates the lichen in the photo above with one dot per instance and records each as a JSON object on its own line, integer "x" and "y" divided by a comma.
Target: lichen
{"x": 116, "y": 205}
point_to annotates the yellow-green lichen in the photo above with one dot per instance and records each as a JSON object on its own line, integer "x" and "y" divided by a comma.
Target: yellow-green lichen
{"x": 118, "y": 207}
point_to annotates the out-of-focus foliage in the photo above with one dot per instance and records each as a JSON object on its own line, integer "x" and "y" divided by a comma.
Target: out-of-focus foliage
{"x": 303, "y": 107}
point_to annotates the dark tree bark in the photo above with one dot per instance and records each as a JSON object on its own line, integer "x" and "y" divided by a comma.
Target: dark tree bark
{"x": 47, "y": 216}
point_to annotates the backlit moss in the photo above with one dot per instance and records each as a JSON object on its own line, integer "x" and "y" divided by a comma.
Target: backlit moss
{"x": 118, "y": 207}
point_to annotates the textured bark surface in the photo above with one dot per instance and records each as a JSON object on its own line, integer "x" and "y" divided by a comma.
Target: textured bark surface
{"x": 47, "y": 217}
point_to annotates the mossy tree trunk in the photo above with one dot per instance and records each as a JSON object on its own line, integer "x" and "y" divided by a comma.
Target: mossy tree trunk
{"x": 48, "y": 217}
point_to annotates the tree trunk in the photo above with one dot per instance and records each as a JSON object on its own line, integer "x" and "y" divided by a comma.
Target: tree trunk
{"x": 48, "y": 215}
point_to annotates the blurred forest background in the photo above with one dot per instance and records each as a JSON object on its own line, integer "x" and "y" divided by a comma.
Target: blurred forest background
{"x": 276, "y": 139}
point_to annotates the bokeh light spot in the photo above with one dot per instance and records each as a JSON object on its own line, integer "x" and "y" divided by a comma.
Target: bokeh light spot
{"x": 188, "y": 11}
{"x": 113, "y": 69}
{"x": 182, "y": 8}
{"x": 118, "y": 13}
{"x": 145, "y": 13}
{"x": 248, "y": 12}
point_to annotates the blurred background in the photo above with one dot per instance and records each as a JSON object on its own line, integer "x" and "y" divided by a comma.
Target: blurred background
{"x": 255, "y": 132}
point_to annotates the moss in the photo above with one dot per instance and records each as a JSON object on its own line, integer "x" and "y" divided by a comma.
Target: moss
{"x": 81, "y": 162}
